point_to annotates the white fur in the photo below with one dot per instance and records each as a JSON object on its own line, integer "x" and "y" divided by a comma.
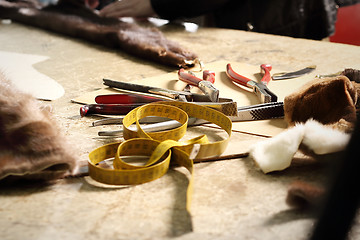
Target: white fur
{"x": 276, "y": 153}
{"x": 323, "y": 139}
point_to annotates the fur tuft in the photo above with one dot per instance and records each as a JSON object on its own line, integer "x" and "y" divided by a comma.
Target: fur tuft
{"x": 276, "y": 153}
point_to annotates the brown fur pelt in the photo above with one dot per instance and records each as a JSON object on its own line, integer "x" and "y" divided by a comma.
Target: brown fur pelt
{"x": 31, "y": 145}
{"x": 74, "y": 19}
{"x": 329, "y": 101}
{"x": 304, "y": 195}
{"x": 354, "y": 76}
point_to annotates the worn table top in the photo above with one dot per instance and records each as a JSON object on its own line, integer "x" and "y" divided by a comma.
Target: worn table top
{"x": 232, "y": 199}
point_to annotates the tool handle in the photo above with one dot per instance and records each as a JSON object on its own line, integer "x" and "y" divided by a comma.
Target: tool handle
{"x": 108, "y": 109}
{"x": 237, "y": 77}
{"x": 125, "y": 99}
{"x": 265, "y": 70}
{"x": 188, "y": 78}
{"x": 209, "y": 76}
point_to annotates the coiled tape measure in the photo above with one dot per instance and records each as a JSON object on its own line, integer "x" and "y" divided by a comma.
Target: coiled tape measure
{"x": 161, "y": 148}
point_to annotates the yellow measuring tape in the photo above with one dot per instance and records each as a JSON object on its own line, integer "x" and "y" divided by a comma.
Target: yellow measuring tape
{"x": 161, "y": 148}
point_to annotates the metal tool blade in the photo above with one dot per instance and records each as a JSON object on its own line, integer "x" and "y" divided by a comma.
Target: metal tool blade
{"x": 299, "y": 73}
{"x": 259, "y": 112}
{"x": 118, "y": 120}
{"x": 177, "y": 95}
{"x": 263, "y": 111}
{"x": 249, "y": 113}
{"x": 155, "y": 127}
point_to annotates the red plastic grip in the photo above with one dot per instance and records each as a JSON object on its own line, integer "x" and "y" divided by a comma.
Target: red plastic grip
{"x": 209, "y": 76}
{"x": 265, "y": 70}
{"x": 235, "y": 76}
{"x": 188, "y": 78}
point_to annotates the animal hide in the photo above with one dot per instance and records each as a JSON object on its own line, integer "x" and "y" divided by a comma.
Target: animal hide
{"x": 31, "y": 144}
{"x": 74, "y": 19}
{"x": 321, "y": 117}
{"x": 304, "y": 195}
{"x": 276, "y": 153}
{"x": 320, "y": 114}
{"x": 328, "y": 100}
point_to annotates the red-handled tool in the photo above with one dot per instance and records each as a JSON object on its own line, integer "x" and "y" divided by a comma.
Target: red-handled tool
{"x": 125, "y": 99}
{"x": 206, "y": 86}
{"x": 265, "y": 70}
{"x": 116, "y": 104}
{"x": 260, "y": 89}
{"x": 108, "y": 109}
{"x": 209, "y": 75}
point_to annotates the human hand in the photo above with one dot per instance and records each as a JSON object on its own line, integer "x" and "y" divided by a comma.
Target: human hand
{"x": 128, "y": 8}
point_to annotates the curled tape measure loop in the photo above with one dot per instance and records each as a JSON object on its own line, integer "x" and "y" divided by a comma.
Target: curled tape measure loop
{"x": 159, "y": 147}
{"x": 124, "y": 173}
{"x": 209, "y": 149}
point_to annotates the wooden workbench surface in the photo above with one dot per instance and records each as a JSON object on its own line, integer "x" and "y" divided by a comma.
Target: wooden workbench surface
{"x": 232, "y": 199}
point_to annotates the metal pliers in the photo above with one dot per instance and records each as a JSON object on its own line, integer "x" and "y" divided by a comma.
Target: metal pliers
{"x": 260, "y": 89}
{"x": 205, "y": 84}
